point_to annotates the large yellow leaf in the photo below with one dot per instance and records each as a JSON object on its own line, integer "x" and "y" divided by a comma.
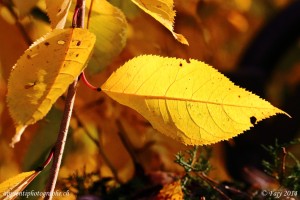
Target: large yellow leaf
{"x": 12, "y": 188}
{"x": 163, "y": 12}
{"x": 44, "y": 72}
{"x": 57, "y": 11}
{"x": 188, "y": 101}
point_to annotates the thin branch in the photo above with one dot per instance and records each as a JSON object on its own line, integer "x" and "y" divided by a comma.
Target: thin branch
{"x": 18, "y": 23}
{"x": 282, "y": 172}
{"x": 125, "y": 141}
{"x": 109, "y": 164}
{"x": 194, "y": 156}
{"x": 101, "y": 150}
{"x": 61, "y": 140}
{"x": 64, "y": 127}
{"x": 213, "y": 184}
{"x": 294, "y": 158}
{"x": 89, "y": 14}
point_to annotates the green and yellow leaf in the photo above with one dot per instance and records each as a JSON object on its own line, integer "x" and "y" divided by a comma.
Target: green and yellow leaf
{"x": 44, "y": 72}
{"x": 188, "y": 101}
{"x": 109, "y": 24}
{"x": 163, "y": 12}
{"x": 128, "y": 8}
{"x": 57, "y": 11}
{"x": 11, "y": 188}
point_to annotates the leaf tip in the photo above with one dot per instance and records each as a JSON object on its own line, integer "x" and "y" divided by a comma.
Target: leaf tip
{"x": 17, "y": 137}
{"x": 285, "y": 113}
{"x": 180, "y": 38}
{"x": 279, "y": 111}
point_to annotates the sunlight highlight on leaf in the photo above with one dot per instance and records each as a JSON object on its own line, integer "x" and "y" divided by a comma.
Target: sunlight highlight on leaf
{"x": 57, "y": 10}
{"x": 163, "y": 12}
{"x": 44, "y": 72}
{"x": 188, "y": 101}
{"x": 10, "y": 188}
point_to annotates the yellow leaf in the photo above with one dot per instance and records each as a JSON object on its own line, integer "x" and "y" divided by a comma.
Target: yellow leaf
{"x": 163, "y": 12}
{"x": 188, "y": 101}
{"x": 130, "y": 10}
{"x": 109, "y": 25}
{"x": 44, "y": 72}
{"x": 57, "y": 11}
{"x": 12, "y": 188}
{"x": 171, "y": 191}
{"x": 24, "y": 7}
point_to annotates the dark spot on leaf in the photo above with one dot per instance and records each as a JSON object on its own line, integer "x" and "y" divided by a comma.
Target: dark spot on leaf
{"x": 239, "y": 96}
{"x": 29, "y": 85}
{"x": 188, "y": 61}
{"x": 253, "y": 120}
{"x": 59, "y": 9}
{"x": 180, "y": 64}
{"x": 47, "y": 43}
{"x": 78, "y": 43}
{"x": 77, "y": 55}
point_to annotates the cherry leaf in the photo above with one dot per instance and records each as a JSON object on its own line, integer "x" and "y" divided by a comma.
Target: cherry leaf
{"x": 44, "y": 72}
{"x": 188, "y": 101}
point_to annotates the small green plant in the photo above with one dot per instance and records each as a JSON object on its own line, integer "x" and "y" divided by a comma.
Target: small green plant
{"x": 284, "y": 166}
{"x": 196, "y": 183}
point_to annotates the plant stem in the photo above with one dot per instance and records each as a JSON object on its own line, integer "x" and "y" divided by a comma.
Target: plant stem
{"x": 213, "y": 184}
{"x": 61, "y": 140}
{"x": 127, "y": 144}
{"x": 64, "y": 127}
{"x": 282, "y": 172}
{"x": 84, "y": 79}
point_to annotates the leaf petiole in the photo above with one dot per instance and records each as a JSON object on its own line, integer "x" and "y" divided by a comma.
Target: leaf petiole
{"x": 47, "y": 161}
{"x": 87, "y": 83}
